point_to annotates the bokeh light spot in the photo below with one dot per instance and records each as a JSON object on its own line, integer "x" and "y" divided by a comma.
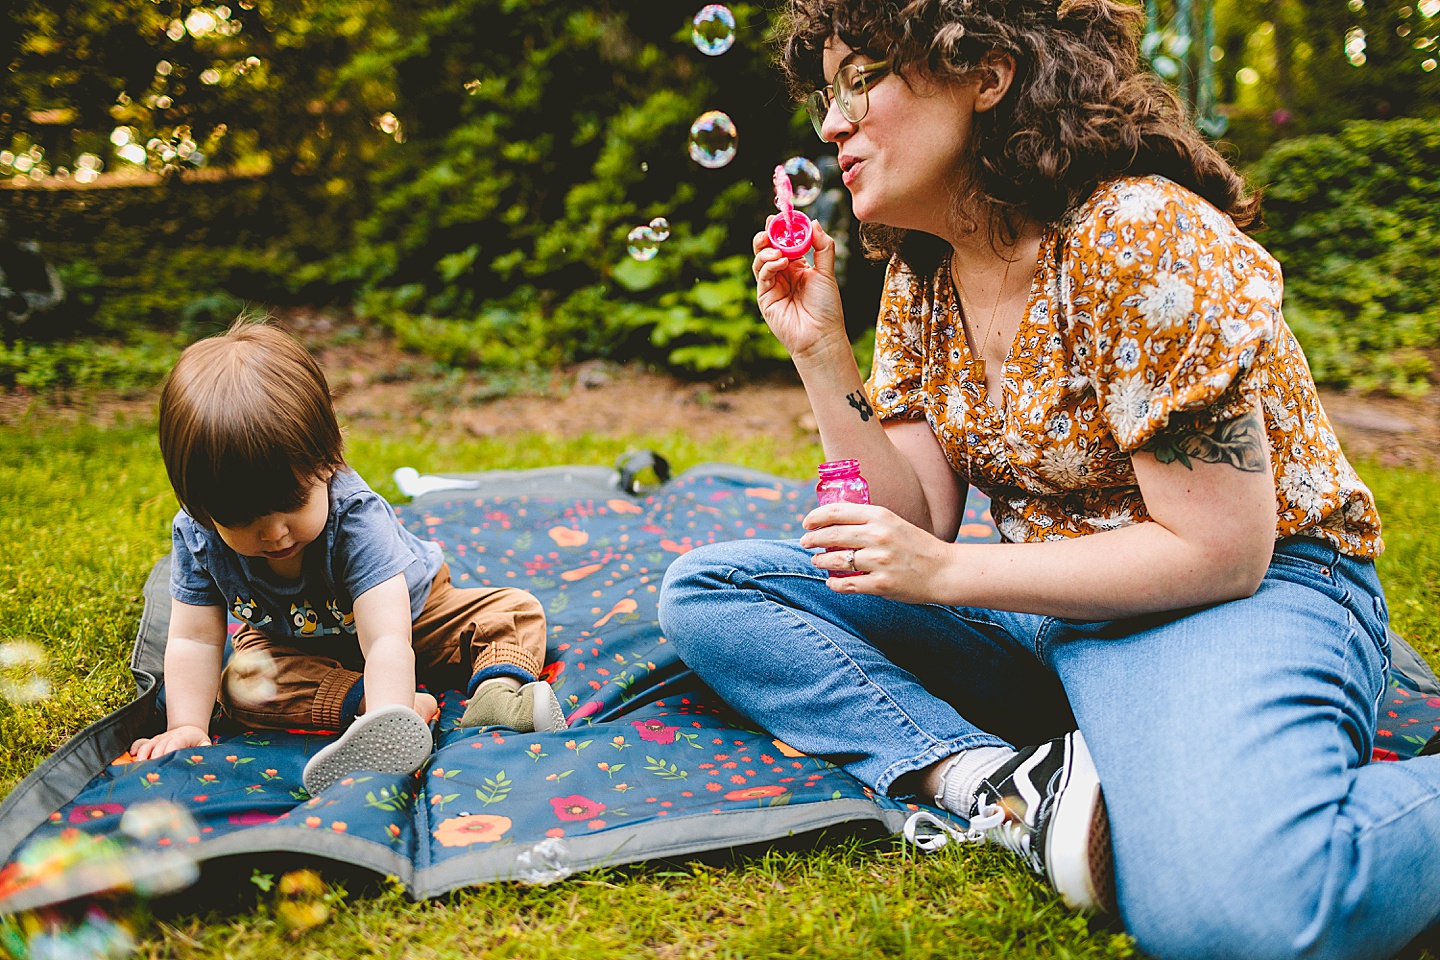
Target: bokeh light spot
{"x": 23, "y": 663}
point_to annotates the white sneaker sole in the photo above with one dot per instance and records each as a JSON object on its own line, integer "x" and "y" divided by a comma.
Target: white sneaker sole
{"x": 548, "y": 714}
{"x": 1077, "y": 856}
{"x": 389, "y": 740}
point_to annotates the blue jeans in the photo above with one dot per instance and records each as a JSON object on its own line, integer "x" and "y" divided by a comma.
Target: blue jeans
{"x": 1231, "y": 740}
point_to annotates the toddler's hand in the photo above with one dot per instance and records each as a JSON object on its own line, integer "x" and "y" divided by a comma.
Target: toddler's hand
{"x": 148, "y": 748}
{"x": 426, "y": 705}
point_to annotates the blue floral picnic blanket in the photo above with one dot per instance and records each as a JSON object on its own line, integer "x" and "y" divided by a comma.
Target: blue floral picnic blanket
{"x": 651, "y": 766}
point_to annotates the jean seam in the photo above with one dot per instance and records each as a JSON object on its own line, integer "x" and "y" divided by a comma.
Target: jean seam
{"x": 1432, "y": 797}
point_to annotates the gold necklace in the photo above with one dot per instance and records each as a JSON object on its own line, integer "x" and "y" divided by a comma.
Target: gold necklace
{"x": 977, "y": 355}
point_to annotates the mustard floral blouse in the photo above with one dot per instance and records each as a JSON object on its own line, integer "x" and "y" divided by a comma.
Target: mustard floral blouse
{"x": 1149, "y": 310}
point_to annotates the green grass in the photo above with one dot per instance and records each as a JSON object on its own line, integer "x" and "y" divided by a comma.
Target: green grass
{"x": 84, "y": 513}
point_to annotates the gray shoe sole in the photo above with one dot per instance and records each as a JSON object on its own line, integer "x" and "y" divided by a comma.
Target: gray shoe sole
{"x": 388, "y": 740}
{"x": 548, "y": 714}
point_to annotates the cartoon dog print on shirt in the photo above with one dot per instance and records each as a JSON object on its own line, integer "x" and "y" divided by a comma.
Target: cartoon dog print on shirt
{"x": 346, "y": 618}
{"x": 246, "y": 610}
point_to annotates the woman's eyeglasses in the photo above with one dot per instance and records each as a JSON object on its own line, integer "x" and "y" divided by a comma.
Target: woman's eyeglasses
{"x": 849, "y": 89}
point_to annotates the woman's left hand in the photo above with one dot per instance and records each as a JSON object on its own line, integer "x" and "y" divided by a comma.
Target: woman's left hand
{"x": 896, "y": 559}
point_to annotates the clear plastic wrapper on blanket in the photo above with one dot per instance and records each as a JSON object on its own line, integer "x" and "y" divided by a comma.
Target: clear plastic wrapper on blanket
{"x": 543, "y": 862}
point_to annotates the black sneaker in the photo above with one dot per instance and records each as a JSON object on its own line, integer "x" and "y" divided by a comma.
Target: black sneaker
{"x": 1046, "y": 805}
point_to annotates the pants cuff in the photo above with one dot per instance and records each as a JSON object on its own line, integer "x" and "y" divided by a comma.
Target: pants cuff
{"x": 350, "y": 708}
{"x": 328, "y": 710}
{"x": 497, "y": 670}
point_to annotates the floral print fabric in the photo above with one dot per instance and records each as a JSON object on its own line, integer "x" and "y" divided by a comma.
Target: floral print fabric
{"x": 1149, "y": 312}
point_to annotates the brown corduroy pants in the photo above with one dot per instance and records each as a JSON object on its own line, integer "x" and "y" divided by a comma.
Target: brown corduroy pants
{"x": 459, "y": 632}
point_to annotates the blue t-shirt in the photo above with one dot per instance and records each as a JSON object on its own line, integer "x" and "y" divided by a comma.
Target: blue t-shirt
{"x": 362, "y": 546}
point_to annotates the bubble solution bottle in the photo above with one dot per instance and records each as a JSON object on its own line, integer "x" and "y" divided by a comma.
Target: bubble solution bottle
{"x": 840, "y": 482}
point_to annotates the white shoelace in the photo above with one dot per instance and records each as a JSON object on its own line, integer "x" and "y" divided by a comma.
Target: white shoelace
{"x": 938, "y": 832}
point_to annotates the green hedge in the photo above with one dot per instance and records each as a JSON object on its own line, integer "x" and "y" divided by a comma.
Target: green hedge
{"x": 1354, "y": 218}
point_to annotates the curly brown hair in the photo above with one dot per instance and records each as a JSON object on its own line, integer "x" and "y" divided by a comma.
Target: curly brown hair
{"x": 1081, "y": 109}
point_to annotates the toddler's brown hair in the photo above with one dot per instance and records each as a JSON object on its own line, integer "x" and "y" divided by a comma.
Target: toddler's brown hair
{"x": 246, "y": 425}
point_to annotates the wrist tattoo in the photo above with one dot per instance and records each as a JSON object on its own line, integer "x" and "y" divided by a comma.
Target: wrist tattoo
{"x": 1239, "y": 443}
{"x": 861, "y": 405}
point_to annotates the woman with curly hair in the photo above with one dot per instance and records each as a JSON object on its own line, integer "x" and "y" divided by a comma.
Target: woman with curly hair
{"x": 1183, "y": 609}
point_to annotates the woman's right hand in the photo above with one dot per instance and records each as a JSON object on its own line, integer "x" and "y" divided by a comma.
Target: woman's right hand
{"x": 800, "y": 302}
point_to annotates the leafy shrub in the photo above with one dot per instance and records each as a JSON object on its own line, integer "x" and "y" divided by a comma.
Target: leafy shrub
{"x": 498, "y": 231}
{"x": 185, "y": 256}
{"x": 1354, "y": 218}
{"x": 88, "y": 364}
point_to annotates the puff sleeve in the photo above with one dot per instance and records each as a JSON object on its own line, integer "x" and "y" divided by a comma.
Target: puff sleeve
{"x": 1171, "y": 306}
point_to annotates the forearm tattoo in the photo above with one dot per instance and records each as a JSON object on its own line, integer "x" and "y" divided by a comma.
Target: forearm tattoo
{"x": 862, "y": 405}
{"x": 1239, "y": 442}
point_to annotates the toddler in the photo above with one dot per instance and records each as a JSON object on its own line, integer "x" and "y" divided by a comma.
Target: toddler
{"x": 339, "y": 604}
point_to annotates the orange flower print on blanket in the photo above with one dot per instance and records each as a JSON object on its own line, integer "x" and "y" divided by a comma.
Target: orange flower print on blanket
{"x": 477, "y": 828}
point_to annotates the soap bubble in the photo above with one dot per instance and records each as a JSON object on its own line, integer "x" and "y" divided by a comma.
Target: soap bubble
{"x": 76, "y": 864}
{"x": 159, "y": 823}
{"x": 163, "y": 832}
{"x": 75, "y": 932}
{"x": 301, "y": 903}
{"x": 543, "y": 863}
{"x": 713, "y": 139}
{"x": 661, "y": 228}
{"x": 249, "y": 679}
{"x": 713, "y": 30}
{"x": 643, "y": 244}
{"x": 805, "y": 180}
{"x": 22, "y": 663}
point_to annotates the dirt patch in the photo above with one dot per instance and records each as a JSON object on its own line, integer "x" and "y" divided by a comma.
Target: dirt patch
{"x": 378, "y": 386}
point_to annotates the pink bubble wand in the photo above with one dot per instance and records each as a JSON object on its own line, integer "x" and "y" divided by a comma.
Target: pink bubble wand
{"x": 790, "y": 231}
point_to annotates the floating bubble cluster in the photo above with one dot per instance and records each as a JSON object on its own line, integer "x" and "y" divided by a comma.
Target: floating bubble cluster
{"x": 23, "y": 663}
{"x": 117, "y": 871}
{"x": 100, "y": 883}
{"x": 642, "y": 244}
{"x": 805, "y": 180}
{"x": 58, "y": 934}
{"x": 713, "y": 139}
{"x": 713, "y": 29}
{"x": 644, "y": 241}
